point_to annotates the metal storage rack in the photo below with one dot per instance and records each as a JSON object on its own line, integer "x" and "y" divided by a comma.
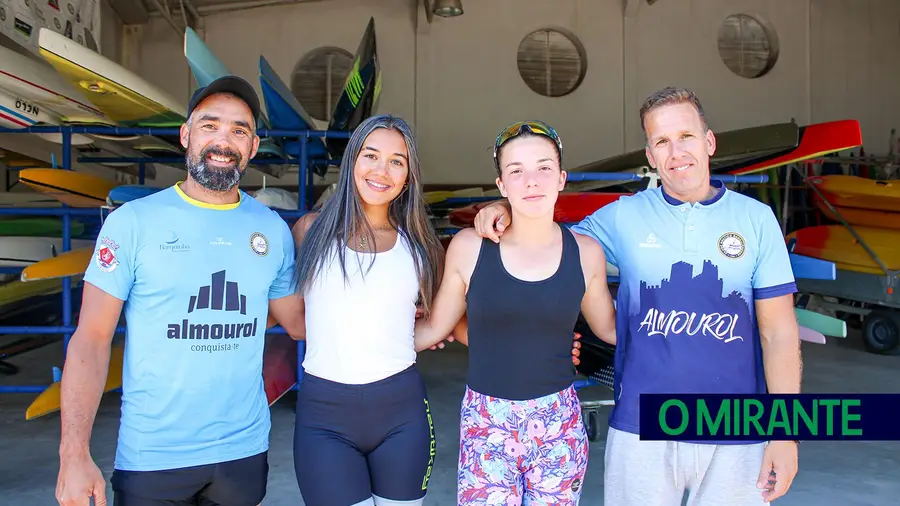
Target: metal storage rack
{"x": 66, "y": 213}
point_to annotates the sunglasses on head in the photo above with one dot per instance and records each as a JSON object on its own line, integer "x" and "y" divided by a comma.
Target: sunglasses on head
{"x": 535, "y": 127}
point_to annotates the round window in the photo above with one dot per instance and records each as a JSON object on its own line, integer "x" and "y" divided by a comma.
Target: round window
{"x": 318, "y": 80}
{"x": 748, "y": 45}
{"x": 551, "y": 62}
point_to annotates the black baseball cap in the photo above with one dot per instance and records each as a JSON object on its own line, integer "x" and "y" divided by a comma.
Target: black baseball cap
{"x": 228, "y": 84}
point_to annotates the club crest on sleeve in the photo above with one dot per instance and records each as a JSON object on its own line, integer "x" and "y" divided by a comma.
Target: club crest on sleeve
{"x": 106, "y": 255}
{"x": 732, "y": 245}
{"x": 259, "y": 244}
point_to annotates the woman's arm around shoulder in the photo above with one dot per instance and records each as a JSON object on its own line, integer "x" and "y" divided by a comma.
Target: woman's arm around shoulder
{"x": 597, "y": 304}
{"x": 449, "y": 304}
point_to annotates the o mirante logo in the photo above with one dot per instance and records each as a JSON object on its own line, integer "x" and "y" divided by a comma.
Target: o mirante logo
{"x": 719, "y": 417}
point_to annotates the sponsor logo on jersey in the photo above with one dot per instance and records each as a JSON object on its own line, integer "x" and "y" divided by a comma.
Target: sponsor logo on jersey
{"x": 172, "y": 244}
{"x": 220, "y": 241}
{"x": 259, "y": 244}
{"x": 732, "y": 245}
{"x": 106, "y": 255}
{"x": 219, "y": 295}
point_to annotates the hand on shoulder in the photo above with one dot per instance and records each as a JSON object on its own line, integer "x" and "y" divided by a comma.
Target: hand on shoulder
{"x": 492, "y": 220}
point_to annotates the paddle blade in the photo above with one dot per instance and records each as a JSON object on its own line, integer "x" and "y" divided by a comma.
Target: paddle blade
{"x": 827, "y": 325}
{"x": 811, "y": 336}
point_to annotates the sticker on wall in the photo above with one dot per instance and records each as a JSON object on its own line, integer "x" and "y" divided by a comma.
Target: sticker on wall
{"x": 23, "y": 27}
{"x": 21, "y": 20}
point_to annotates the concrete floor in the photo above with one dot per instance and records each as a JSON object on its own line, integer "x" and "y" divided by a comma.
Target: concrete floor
{"x": 830, "y": 472}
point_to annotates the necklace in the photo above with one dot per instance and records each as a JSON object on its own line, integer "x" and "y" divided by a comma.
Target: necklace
{"x": 362, "y": 243}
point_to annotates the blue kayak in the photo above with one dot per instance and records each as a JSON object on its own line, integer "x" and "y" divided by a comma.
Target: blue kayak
{"x": 126, "y": 193}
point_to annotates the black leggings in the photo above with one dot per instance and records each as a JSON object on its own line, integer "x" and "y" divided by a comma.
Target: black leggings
{"x": 236, "y": 483}
{"x": 353, "y": 442}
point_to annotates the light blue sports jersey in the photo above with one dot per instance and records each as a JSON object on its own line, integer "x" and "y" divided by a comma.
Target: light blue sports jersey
{"x": 689, "y": 275}
{"x": 196, "y": 280}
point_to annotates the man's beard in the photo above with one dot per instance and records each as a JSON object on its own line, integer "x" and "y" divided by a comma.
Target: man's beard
{"x": 215, "y": 179}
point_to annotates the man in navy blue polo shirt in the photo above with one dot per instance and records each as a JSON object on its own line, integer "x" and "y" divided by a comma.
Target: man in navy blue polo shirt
{"x": 704, "y": 305}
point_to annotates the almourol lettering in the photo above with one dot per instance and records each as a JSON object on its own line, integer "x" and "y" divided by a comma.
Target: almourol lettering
{"x": 187, "y": 330}
{"x": 719, "y": 325}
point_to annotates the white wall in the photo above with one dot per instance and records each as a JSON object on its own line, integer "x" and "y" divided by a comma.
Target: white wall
{"x": 456, "y": 79}
{"x": 110, "y": 32}
{"x": 468, "y": 89}
{"x": 855, "y": 66}
{"x": 674, "y": 42}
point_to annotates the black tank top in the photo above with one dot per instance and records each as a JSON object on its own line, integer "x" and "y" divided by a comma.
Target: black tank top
{"x": 520, "y": 332}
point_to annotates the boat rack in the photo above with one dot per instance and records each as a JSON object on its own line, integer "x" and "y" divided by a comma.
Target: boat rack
{"x": 873, "y": 297}
{"x": 305, "y": 184}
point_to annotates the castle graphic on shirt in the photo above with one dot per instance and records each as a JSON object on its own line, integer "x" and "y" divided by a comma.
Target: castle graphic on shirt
{"x": 685, "y": 306}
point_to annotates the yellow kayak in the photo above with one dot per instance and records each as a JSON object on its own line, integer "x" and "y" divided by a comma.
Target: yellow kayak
{"x": 862, "y": 217}
{"x": 76, "y": 189}
{"x": 49, "y": 400}
{"x": 859, "y": 192}
{"x": 16, "y": 290}
{"x": 835, "y": 243}
{"x": 70, "y": 263}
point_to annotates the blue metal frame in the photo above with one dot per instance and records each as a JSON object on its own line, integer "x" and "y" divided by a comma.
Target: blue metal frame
{"x": 66, "y": 212}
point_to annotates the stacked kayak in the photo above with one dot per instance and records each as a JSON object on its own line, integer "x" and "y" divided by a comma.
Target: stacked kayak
{"x": 860, "y": 201}
{"x": 569, "y": 208}
{"x": 870, "y": 207}
{"x": 126, "y": 193}
{"x": 837, "y": 244}
{"x": 76, "y": 189}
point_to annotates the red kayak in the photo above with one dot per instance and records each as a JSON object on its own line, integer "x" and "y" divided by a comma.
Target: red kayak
{"x": 570, "y": 207}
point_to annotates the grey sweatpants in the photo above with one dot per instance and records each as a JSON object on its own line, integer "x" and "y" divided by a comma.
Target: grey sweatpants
{"x": 657, "y": 473}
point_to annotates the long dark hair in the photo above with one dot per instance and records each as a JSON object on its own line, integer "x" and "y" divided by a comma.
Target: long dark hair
{"x": 342, "y": 217}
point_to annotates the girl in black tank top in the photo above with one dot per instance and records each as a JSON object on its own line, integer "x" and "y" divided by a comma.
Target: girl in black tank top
{"x": 521, "y": 428}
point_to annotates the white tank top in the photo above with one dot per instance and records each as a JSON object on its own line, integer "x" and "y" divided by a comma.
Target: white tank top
{"x": 361, "y": 331}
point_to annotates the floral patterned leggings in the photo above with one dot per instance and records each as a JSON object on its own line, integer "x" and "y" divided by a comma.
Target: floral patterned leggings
{"x": 531, "y": 452}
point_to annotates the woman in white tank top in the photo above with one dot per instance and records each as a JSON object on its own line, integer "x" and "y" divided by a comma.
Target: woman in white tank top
{"x": 365, "y": 262}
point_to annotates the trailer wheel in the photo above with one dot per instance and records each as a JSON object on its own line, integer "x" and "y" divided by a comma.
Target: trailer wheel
{"x": 881, "y": 332}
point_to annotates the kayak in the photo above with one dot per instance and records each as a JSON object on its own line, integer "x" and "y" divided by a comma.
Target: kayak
{"x": 570, "y": 207}
{"x": 835, "y": 243}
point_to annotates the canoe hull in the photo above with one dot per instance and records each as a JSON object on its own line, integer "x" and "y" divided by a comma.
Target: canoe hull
{"x": 835, "y": 243}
